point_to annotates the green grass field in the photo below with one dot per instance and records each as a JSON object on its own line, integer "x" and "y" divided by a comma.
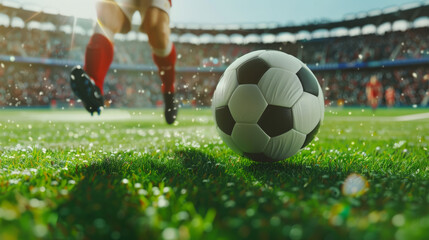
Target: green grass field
{"x": 128, "y": 175}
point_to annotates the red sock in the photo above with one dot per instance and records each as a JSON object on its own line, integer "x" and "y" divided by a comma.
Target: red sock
{"x": 166, "y": 69}
{"x": 98, "y": 57}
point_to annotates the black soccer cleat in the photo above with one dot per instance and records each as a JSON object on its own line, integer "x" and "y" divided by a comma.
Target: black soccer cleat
{"x": 85, "y": 89}
{"x": 170, "y": 108}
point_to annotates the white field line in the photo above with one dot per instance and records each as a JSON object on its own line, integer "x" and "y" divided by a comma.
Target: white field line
{"x": 360, "y": 118}
{"x": 106, "y": 115}
{"x": 405, "y": 118}
{"x": 412, "y": 117}
{"x": 76, "y": 116}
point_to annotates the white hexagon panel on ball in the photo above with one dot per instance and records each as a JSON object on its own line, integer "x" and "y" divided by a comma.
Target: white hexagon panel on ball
{"x": 247, "y": 103}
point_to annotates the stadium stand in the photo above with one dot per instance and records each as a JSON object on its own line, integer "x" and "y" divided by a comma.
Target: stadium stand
{"x": 36, "y": 56}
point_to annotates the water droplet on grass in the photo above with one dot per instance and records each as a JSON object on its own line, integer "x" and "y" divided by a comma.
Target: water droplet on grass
{"x": 170, "y": 234}
{"x": 36, "y": 203}
{"x": 40, "y": 230}
{"x": 155, "y": 191}
{"x": 250, "y": 212}
{"x": 182, "y": 216}
{"x": 142, "y": 192}
{"x": 398, "y": 220}
{"x": 354, "y": 185}
{"x": 230, "y": 204}
{"x": 162, "y": 202}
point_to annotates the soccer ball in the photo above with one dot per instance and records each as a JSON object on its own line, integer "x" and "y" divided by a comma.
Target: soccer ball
{"x": 267, "y": 106}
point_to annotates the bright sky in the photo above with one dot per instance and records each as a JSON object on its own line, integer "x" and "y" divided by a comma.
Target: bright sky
{"x": 241, "y": 11}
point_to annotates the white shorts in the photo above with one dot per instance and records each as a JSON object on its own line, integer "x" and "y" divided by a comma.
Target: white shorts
{"x": 129, "y": 7}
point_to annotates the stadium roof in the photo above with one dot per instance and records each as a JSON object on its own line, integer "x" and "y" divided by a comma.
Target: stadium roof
{"x": 408, "y": 12}
{"x": 352, "y": 24}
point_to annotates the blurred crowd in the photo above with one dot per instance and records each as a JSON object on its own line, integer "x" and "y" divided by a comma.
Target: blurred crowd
{"x": 23, "y": 85}
{"x": 347, "y": 87}
{"x": 413, "y": 43}
{"x": 26, "y": 84}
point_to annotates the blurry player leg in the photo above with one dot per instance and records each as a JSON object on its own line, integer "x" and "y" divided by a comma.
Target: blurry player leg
{"x": 374, "y": 103}
{"x": 156, "y": 24}
{"x": 98, "y": 56}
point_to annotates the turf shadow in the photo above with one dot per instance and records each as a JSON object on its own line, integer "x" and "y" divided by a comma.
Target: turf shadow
{"x": 232, "y": 188}
{"x": 203, "y": 165}
{"x": 290, "y": 169}
{"x": 99, "y": 206}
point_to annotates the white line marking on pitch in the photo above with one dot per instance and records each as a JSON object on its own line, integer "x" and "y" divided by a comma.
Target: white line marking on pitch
{"x": 412, "y": 117}
{"x": 76, "y": 116}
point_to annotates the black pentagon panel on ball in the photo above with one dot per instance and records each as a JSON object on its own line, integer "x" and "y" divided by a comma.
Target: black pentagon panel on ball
{"x": 259, "y": 157}
{"x": 251, "y": 71}
{"x": 311, "y": 135}
{"x": 224, "y": 119}
{"x": 276, "y": 120}
{"x": 308, "y": 81}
